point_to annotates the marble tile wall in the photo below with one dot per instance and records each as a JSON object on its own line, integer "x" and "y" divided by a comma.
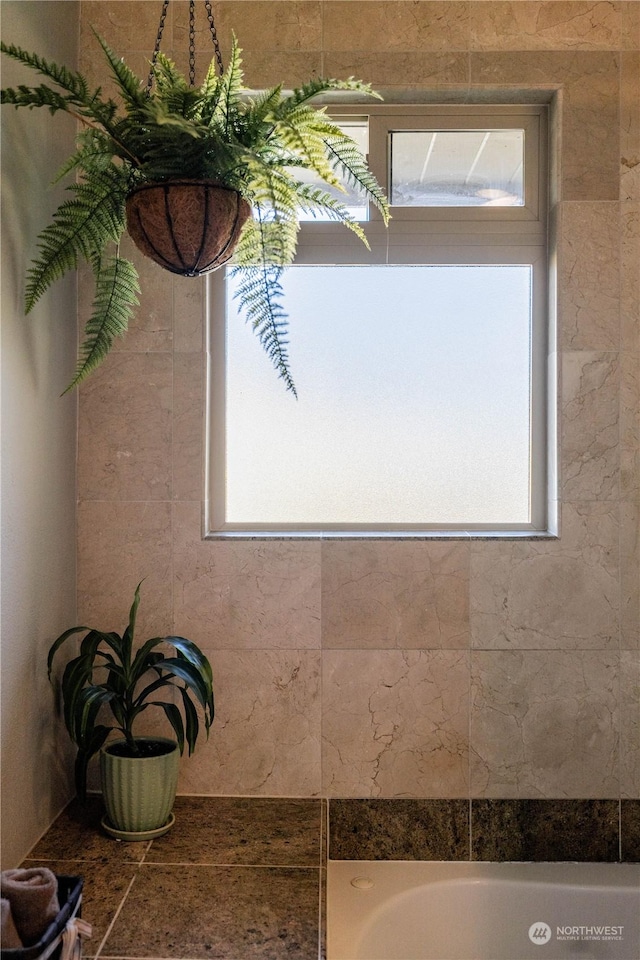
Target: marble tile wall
{"x": 484, "y": 669}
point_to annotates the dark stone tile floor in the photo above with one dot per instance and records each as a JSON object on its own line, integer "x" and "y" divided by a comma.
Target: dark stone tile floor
{"x": 234, "y": 879}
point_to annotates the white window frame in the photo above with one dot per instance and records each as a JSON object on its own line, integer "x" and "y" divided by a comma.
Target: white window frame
{"x": 422, "y": 235}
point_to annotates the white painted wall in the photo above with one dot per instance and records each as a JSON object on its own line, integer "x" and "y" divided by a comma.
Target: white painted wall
{"x": 38, "y": 441}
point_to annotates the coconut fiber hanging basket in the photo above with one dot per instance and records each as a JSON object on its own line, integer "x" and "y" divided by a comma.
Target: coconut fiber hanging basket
{"x": 189, "y": 227}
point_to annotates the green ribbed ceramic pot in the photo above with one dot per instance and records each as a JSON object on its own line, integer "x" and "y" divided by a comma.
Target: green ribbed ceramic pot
{"x": 139, "y": 792}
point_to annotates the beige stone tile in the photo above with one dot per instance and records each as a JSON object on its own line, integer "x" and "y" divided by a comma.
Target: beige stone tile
{"x": 630, "y": 427}
{"x": 151, "y": 327}
{"x": 590, "y": 113}
{"x": 86, "y": 293}
{"x": 545, "y": 25}
{"x": 544, "y": 724}
{"x": 372, "y": 26}
{"x": 630, "y": 278}
{"x": 124, "y": 429}
{"x": 630, "y": 124}
{"x": 630, "y": 575}
{"x": 630, "y": 25}
{"x": 589, "y": 282}
{"x": 188, "y": 426}
{"x": 125, "y": 25}
{"x": 590, "y": 125}
{"x": 119, "y": 544}
{"x": 93, "y": 65}
{"x": 590, "y": 423}
{"x": 282, "y": 25}
{"x": 630, "y": 723}
{"x": 392, "y": 594}
{"x": 266, "y": 68}
{"x": 189, "y": 299}
{"x": 395, "y": 723}
{"x": 240, "y": 594}
{"x": 406, "y": 70}
{"x": 129, "y": 27}
{"x": 265, "y": 739}
{"x": 561, "y": 594}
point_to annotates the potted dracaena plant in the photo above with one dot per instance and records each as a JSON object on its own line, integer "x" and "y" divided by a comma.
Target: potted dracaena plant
{"x": 136, "y": 161}
{"x": 109, "y": 680}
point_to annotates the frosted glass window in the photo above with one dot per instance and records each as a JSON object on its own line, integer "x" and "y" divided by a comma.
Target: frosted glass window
{"x": 457, "y": 168}
{"x": 424, "y": 362}
{"x": 414, "y": 390}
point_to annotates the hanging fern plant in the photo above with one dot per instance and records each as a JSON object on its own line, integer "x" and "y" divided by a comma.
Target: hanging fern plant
{"x": 251, "y": 144}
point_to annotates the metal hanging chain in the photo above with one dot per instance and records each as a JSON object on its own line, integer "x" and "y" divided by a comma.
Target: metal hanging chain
{"x": 156, "y": 49}
{"x": 192, "y": 42}
{"x": 214, "y": 36}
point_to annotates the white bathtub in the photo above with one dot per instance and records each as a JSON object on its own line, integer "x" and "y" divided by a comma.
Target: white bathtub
{"x": 399, "y": 910}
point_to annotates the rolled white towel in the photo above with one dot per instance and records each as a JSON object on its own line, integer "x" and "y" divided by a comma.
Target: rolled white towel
{"x": 33, "y": 895}
{"x": 8, "y": 933}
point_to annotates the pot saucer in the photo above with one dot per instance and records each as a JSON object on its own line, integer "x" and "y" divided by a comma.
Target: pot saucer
{"x": 137, "y": 834}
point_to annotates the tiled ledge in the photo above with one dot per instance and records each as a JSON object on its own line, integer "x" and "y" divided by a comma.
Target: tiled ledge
{"x": 243, "y": 878}
{"x": 499, "y": 830}
{"x": 235, "y": 879}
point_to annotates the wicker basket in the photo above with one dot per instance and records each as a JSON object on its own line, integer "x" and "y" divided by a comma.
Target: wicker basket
{"x": 188, "y": 227}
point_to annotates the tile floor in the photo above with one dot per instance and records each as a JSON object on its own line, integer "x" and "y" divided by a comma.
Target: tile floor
{"x": 235, "y": 879}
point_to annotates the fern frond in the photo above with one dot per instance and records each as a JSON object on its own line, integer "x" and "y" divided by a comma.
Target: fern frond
{"x": 173, "y": 93}
{"x": 257, "y": 118}
{"x": 117, "y": 289}
{"x": 272, "y": 235}
{"x": 211, "y": 82}
{"x": 95, "y": 152}
{"x": 155, "y": 114}
{"x": 81, "y": 228}
{"x": 318, "y": 86}
{"x": 167, "y": 76}
{"x": 266, "y": 247}
{"x": 230, "y": 87}
{"x": 298, "y": 135}
{"x": 259, "y": 291}
{"x": 31, "y": 97}
{"x": 132, "y": 91}
{"x": 88, "y": 105}
{"x": 349, "y": 161}
{"x": 69, "y": 80}
{"x": 312, "y": 198}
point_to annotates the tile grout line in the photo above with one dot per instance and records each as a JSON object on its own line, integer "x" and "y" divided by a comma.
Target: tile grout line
{"x": 233, "y": 866}
{"x": 620, "y": 860}
{"x": 98, "y": 952}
